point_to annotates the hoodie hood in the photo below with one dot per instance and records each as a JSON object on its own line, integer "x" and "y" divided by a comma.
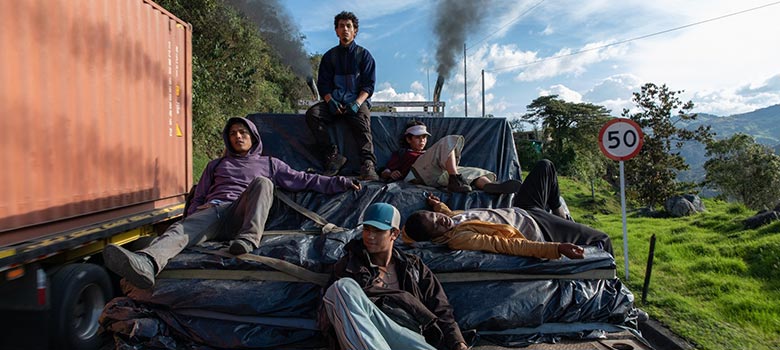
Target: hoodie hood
{"x": 257, "y": 145}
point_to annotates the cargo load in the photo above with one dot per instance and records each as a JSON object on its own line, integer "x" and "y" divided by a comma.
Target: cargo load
{"x": 204, "y": 292}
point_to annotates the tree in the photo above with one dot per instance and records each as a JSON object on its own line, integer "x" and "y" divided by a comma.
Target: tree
{"x": 571, "y": 131}
{"x": 651, "y": 175}
{"x": 235, "y": 72}
{"x": 745, "y": 171}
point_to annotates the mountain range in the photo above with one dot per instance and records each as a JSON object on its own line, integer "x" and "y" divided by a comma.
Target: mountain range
{"x": 763, "y": 124}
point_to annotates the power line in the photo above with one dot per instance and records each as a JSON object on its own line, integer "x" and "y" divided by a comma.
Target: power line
{"x": 632, "y": 39}
{"x": 506, "y": 24}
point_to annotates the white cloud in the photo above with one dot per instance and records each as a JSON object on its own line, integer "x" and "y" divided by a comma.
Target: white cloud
{"x": 563, "y": 93}
{"x": 569, "y": 61}
{"x": 616, "y": 87}
{"x": 388, "y": 93}
{"x": 418, "y": 87}
{"x": 738, "y": 100}
{"x": 547, "y": 30}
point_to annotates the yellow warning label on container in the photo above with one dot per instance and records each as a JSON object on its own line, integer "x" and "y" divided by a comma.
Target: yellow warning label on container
{"x": 178, "y": 131}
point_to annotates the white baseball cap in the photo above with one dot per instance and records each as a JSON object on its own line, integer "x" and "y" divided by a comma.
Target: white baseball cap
{"x": 417, "y": 130}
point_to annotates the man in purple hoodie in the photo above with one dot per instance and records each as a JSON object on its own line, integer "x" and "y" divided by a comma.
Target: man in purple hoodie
{"x": 231, "y": 202}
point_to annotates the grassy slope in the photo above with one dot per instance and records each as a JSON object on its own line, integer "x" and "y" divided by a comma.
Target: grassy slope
{"x": 713, "y": 282}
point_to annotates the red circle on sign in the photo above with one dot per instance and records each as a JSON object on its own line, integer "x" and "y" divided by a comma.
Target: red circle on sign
{"x": 618, "y": 131}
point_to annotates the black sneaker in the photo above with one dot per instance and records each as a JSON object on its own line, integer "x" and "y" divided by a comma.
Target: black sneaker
{"x": 457, "y": 184}
{"x": 333, "y": 161}
{"x": 137, "y": 269}
{"x": 368, "y": 171}
{"x": 506, "y": 187}
{"x": 240, "y": 246}
{"x": 333, "y": 164}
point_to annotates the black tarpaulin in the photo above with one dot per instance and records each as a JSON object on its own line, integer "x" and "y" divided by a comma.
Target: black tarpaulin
{"x": 199, "y": 313}
{"x": 346, "y": 209}
{"x": 271, "y": 306}
{"x": 489, "y": 143}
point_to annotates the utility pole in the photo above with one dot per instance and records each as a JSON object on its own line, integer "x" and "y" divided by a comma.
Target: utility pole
{"x": 465, "y": 85}
{"x": 483, "y": 93}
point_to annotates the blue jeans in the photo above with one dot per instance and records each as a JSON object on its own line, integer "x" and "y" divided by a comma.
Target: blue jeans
{"x": 360, "y": 325}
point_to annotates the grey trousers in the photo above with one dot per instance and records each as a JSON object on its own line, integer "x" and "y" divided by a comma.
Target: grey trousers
{"x": 244, "y": 218}
{"x": 360, "y": 325}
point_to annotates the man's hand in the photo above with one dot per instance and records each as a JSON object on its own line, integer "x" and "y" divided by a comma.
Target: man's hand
{"x": 571, "y": 251}
{"x": 433, "y": 200}
{"x": 461, "y": 346}
{"x": 335, "y": 107}
{"x": 354, "y": 107}
{"x": 395, "y": 175}
{"x": 388, "y": 174}
{"x": 355, "y": 185}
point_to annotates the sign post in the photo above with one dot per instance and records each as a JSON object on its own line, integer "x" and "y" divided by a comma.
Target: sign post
{"x": 621, "y": 139}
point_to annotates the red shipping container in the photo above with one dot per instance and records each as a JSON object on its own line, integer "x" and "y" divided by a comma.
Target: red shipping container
{"x": 95, "y": 113}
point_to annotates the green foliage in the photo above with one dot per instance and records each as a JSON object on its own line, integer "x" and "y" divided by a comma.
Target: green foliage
{"x": 234, "y": 71}
{"x": 572, "y": 131}
{"x": 713, "y": 282}
{"x": 528, "y": 151}
{"x": 651, "y": 175}
{"x": 745, "y": 171}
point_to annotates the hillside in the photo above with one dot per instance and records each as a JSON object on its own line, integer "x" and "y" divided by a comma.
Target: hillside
{"x": 713, "y": 282}
{"x": 762, "y": 124}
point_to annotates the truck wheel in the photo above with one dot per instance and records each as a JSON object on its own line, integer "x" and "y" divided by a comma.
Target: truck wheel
{"x": 78, "y": 292}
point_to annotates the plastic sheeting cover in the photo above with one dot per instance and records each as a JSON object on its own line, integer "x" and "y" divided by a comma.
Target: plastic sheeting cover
{"x": 489, "y": 143}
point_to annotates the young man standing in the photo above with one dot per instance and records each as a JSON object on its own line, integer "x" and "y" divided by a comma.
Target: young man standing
{"x": 346, "y": 82}
{"x": 382, "y": 298}
{"x": 231, "y": 202}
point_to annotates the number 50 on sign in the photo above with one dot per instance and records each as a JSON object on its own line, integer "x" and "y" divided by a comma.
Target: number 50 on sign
{"x": 620, "y": 139}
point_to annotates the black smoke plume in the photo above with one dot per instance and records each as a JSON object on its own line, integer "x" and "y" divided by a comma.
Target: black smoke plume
{"x": 454, "y": 20}
{"x": 278, "y": 29}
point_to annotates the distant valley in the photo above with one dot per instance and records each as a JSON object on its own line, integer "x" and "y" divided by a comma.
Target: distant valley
{"x": 763, "y": 124}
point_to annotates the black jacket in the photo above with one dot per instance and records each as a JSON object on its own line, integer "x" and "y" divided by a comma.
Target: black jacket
{"x": 420, "y": 305}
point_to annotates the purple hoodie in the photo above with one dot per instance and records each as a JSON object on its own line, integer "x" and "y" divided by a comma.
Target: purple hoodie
{"x": 233, "y": 173}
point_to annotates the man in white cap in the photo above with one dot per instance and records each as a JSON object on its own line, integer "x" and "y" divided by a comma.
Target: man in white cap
{"x": 382, "y": 298}
{"x": 438, "y": 166}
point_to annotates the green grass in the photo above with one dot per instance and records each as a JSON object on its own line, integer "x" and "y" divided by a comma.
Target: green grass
{"x": 713, "y": 282}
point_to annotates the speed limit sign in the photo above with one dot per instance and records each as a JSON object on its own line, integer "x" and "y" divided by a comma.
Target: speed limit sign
{"x": 620, "y": 139}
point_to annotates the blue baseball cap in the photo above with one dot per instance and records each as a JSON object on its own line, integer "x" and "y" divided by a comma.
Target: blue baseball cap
{"x": 382, "y": 216}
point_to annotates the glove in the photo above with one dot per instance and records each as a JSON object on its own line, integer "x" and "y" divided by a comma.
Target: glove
{"x": 335, "y": 107}
{"x": 354, "y": 107}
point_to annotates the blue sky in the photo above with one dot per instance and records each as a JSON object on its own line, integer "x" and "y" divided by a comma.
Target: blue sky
{"x": 726, "y": 66}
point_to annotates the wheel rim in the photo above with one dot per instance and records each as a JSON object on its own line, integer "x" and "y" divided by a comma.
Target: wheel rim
{"x": 87, "y": 310}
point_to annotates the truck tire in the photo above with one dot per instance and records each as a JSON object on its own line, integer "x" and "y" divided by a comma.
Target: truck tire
{"x": 78, "y": 294}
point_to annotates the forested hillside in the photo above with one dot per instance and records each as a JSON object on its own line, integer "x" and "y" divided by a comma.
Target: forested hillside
{"x": 236, "y": 70}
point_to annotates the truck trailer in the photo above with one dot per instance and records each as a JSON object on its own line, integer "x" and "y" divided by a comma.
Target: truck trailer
{"x": 96, "y": 133}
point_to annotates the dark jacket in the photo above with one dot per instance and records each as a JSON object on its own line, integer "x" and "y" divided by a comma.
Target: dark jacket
{"x": 346, "y": 71}
{"x": 420, "y": 305}
{"x": 225, "y": 178}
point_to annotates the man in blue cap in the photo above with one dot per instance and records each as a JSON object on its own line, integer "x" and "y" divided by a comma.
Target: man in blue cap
{"x": 382, "y": 298}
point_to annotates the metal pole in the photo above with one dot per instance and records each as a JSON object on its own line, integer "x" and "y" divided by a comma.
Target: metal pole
{"x": 465, "y": 85}
{"x": 483, "y": 93}
{"x": 649, "y": 269}
{"x": 428, "y": 74}
{"x": 623, "y": 209}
